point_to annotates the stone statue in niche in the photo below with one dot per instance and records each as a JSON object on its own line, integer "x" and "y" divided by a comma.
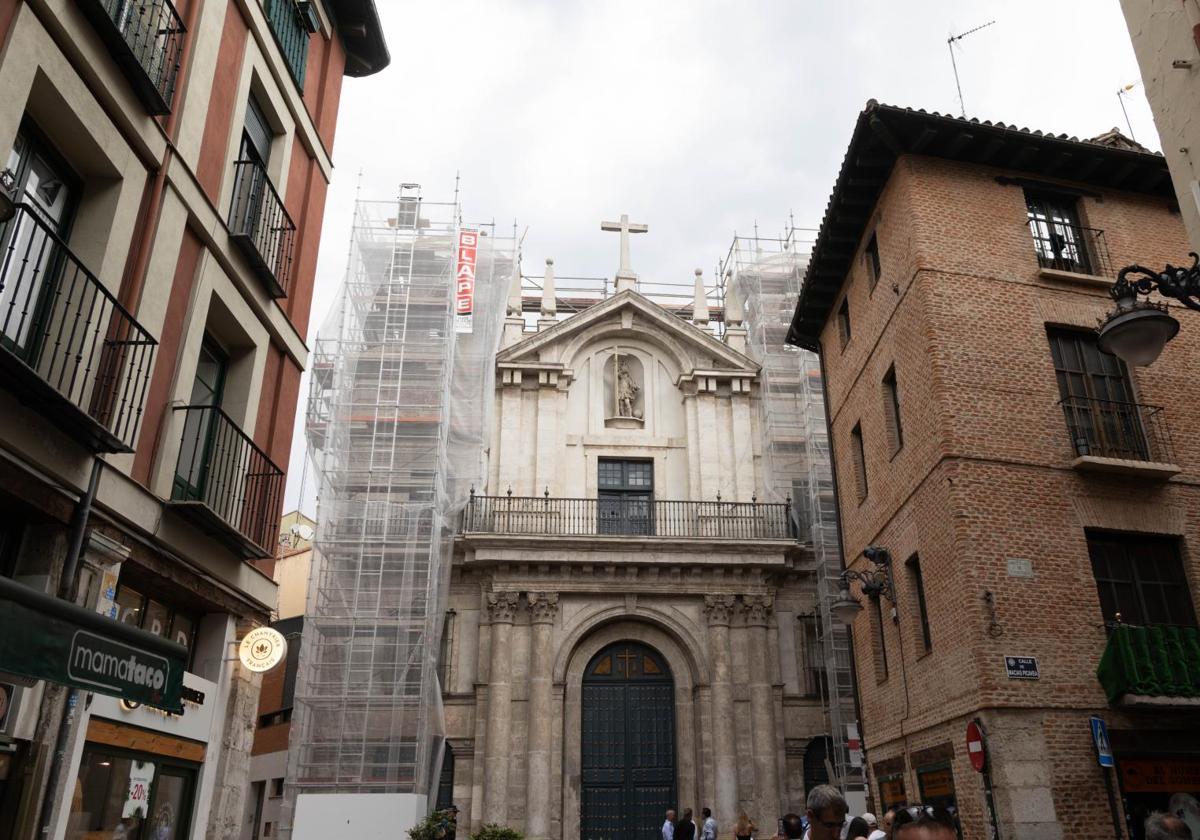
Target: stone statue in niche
{"x": 627, "y": 390}
{"x": 624, "y": 392}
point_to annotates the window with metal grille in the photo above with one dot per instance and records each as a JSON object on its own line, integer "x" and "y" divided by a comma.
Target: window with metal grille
{"x": 1140, "y": 577}
{"x": 891, "y": 407}
{"x": 860, "y": 461}
{"x": 1097, "y": 397}
{"x": 1058, "y": 237}
{"x": 291, "y": 24}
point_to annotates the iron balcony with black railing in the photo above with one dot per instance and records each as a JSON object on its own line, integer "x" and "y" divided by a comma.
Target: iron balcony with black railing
{"x": 260, "y": 225}
{"x": 225, "y": 483}
{"x": 627, "y": 517}
{"x": 1061, "y": 246}
{"x": 67, "y": 346}
{"x": 292, "y": 22}
{"x": 145, "y": 38}
{"x": 1120, "y": 430}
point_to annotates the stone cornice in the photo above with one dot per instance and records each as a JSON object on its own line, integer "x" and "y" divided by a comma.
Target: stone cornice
{"x": 547, "y": 375}
{"x": 702, "y": 550}
{"x": 672, "y": 324}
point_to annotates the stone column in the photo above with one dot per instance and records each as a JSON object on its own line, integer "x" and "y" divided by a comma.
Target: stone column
{"x": 758, "y": 610}
{"x": 502, "y": 606}
{"x": 719, "y": 608}
{"x": 543, "y": 607}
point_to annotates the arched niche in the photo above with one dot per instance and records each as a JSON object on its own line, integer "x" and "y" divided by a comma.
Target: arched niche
{"x": 624, "y": 390}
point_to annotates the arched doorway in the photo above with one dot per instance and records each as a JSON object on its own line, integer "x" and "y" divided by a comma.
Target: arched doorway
{"x": 815, "y": 771}
{"x": 628, "y": 744}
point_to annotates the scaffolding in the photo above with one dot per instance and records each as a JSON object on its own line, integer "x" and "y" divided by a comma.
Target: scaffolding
{"x": 766, "y": 274}
{"x": 397, "y": 419}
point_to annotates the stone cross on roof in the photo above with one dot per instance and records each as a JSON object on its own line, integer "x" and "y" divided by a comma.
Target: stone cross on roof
{"x": 625, "y": 276}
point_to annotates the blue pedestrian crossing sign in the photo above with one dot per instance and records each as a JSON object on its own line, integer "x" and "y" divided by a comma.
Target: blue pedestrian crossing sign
{"x": 1100, "y": 739}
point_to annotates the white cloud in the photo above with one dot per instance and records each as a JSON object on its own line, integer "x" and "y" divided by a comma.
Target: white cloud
{"x": 697, "y": 118}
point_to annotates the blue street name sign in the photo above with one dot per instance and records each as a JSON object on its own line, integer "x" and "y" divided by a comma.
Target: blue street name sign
{"x": 1100, "y": 739}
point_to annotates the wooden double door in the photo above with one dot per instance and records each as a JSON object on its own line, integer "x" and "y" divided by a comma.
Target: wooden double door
{"x": 628, "y": 744}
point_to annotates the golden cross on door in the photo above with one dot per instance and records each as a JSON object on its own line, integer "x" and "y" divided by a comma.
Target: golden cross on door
{"x": 628, "y": 658}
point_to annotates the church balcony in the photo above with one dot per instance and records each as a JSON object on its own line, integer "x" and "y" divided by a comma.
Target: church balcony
{"x": 627, "y": 517}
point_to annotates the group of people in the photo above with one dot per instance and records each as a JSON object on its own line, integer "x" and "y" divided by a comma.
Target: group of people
{"x": 826, "y": 817}
{"x": 684, "y": 828}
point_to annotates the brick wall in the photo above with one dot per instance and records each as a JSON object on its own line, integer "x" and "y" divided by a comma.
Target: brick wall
{"x": 985, "y": 476}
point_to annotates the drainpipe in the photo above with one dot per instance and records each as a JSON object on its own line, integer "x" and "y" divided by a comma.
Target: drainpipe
{"x": 68, "y": 589}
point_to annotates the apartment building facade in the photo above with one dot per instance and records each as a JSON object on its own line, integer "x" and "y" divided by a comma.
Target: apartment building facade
{"x": 1021, "y": 506}
{"x": 167, "y": 176}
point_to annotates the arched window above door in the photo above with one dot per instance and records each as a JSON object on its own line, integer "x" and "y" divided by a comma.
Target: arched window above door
{"x": 627, "y": 662}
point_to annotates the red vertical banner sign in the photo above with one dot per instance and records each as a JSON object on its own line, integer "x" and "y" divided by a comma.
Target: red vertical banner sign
{"x": 464, "y": 280}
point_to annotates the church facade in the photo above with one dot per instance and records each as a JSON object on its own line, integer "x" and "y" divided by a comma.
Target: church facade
{"x": 630, "y": 620}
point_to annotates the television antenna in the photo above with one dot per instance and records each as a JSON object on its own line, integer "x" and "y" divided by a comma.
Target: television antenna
{"x": 950, "y": 46}
{"x": 1121, "y": 93}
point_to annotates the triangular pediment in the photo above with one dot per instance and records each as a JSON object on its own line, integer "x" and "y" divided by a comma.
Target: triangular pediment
{"x": 632, "y": 313}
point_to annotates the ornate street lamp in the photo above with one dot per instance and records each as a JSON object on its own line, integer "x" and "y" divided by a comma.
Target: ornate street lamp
{"x": 1138, "y": 330}
{"x": 876, "y": 583}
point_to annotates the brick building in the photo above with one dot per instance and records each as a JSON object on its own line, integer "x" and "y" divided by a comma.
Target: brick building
{"x": 1026, "y": 487}
{"x": 166, "y": 187}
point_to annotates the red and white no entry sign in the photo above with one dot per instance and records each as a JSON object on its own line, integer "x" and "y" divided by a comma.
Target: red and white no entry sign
{"x": 975, "y": 748}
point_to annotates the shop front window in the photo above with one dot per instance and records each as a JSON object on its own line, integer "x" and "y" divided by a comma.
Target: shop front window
{"x": 891, "y": 792}
{"x": 936, "y": 783}
{"x": 130, "y": 796}
{"x": 160, "y": 619}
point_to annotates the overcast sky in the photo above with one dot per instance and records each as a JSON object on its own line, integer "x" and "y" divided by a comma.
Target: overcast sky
{"x": 696, "y": 118}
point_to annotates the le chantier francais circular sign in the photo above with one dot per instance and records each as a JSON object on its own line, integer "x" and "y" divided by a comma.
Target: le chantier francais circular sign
{"x": 262, "y": 649}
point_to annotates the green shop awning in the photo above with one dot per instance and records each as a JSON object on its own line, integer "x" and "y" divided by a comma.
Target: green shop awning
{"x": 47, "y": 638}
{"x": 1156, "y": 661}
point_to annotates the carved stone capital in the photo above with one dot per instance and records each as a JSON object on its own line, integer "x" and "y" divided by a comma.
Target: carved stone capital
{"x": 543, "y": 607}
{"x": 502, "y": 607}
{"x": 757, "y": 609}
{"x": 719, "y": 609}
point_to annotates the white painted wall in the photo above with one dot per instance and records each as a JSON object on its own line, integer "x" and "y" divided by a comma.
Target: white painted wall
{"x": 1162, "y": 35}
{"x": 361, "y": 816}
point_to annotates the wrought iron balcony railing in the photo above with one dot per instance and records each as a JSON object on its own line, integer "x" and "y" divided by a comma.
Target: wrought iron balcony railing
{"x": 261, "y": 226}
{"x": 66, "y": 345}
{"x": 624, "y": 516}
{"x": 1107, "y": 429}
{"x": 229, "y": 486}
{"x": 291, "y": 22}
{"x": 1066, "y": 247}
{"x": 145, "y": 38}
